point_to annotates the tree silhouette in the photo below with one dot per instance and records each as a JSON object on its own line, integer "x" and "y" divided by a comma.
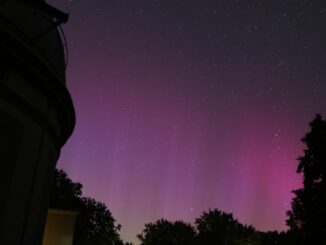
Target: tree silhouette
{"x": 274, "y": 237}
{"x": 164, "y": 232}
{"x": 308, "y": 214}
{"x": 65, "y": 194}
{"x": 217, "y": 227}
{"x": 95, "y": 224}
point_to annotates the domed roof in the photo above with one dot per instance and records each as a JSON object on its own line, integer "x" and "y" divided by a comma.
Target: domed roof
{"x": 33, "y": 23}
{"x": 31, "y": 43}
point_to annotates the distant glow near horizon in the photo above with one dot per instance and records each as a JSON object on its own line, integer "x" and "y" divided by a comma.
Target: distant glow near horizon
{"x": 190, "y": 105}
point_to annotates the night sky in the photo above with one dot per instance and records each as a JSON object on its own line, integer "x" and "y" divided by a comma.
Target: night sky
{"x": 187, "y": 105}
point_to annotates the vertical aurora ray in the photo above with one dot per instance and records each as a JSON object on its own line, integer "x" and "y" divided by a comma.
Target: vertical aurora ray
{"x": 193, "y": 105}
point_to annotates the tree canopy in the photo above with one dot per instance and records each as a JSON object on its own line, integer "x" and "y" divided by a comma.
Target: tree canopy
{"x": 65, "y": 194}
{"x": 95, "y": 223}
{"x": 217, "y": 227}
{"x": 307, "y": 217}
{"x": 164, "y": 232}
{"x": 212, "y": 228}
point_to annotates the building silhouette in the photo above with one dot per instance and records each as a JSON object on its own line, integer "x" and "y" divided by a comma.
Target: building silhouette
{"x": 36, "y": 115}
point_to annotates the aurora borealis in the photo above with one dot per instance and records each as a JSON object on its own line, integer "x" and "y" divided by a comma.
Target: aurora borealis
{"x": 187, "y": 105}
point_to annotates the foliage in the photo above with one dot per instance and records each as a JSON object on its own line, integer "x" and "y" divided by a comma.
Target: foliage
{"x": 164, "y": 232}
{"x": 274, "y": 237}
{"x": 65, "y": 194}
{"x": 212, "y": 227}
{"x": 307, "y": 217}
{"x": 217, "y": 227}
{"x": 95, "y": 224}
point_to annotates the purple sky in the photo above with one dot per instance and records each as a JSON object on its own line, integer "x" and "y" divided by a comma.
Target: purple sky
{"x": 188, "y": 105}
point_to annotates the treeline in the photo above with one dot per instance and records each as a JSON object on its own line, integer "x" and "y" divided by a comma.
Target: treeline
{"x": 306, "y": 220}
{"x": 211, "y": 228}
{"x": 96, "y": 225}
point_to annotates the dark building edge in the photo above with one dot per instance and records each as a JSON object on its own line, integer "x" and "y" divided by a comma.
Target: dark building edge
{"x": 30, "y": 62}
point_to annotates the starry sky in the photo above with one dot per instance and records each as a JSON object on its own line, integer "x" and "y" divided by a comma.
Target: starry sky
{"x": 186, "y": 105}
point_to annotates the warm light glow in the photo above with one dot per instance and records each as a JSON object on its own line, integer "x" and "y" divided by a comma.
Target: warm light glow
{"x": 59, "y": 227}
